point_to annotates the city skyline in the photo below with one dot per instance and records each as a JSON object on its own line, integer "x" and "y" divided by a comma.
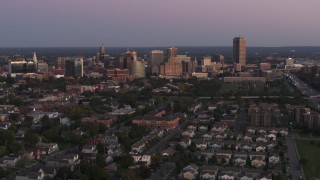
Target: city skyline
{"x": 143, "y": 23}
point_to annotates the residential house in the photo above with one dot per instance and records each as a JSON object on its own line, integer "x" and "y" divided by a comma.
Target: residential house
{"x": 251, "y": 130}
{"x": 188, "y": 133}
{"x": 219, "y": 127}
{"x": 262, "y": 131}
{"x": 48, "y": 171}
{"x": 240, "y": 158}
{"x": 31, "y": 176}
{"x": 209, "y": 172}
{"x": 141, "y": 159}
{"x": 260, "y": 155}
{"x": 220, "y": 136}
{"x": 9, "y": 161}
{"x": 201, "y": 144}
{"x": 192, "y": 127}
{"x": 185, "y": 142}
{"x": 258, "y": 162}
{"x": 207, "y": 136}
{"x": 261, "y": 139}
{"x": 250, "y": 174}
{"x": 47, "y": 148}
{"x": 265, "y": 178}
{"x": 274, "y": 159}
{"x": 223, "y": 155}
{"x": 207, "y": 154}
{"x": 4, "y": 126}
{"x": 229, "y": 144}
{"x": 215, "y": 145}
{"x": 138, "y": 147}
{"x": 245, "y": 147}
{"x": 229, "y": 173}
{"x": 189, "y": 172}
{"x": 203, "y": 128}
{"x": 261, "y": 147}
{"x": 168, "y": 152}
{"x": 89, "y": 152}
{"x": 247, "y": 138}
{"x": 271, "y": 137}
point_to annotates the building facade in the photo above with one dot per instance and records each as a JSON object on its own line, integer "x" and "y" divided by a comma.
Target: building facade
{"x": 239, "y": 50}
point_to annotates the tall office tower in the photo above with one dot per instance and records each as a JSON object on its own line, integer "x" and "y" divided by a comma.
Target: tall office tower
{"x": 219, "y": 58}
{"x": 239, "y": 50}
{"x": 172, "y": 52}
{"x": 101, "y": 55}
{"x": 156, "y": 57}
{"x": 137, "y": 69}
{"x": 206, "y": 61}
{"x": 35, "y": 60}
{"x": 74, "y": 67}
{"x": 60, "y": 63}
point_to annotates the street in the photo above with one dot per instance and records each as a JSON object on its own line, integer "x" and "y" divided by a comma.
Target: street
{"x": 294, "y": 165}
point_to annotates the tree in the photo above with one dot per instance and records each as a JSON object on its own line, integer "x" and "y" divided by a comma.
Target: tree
{"x": 64, "y": 173}
{"x": 156, "y": 160}
{"x": 28, "y": 121}
{"x": 223, "y": 161}
{"x": 125, "y": 161}
{"x": 202, "y": 158}
{"x": 145, "y": 172}
{"x": 212, "y": 160}
{"x": 93, "y": 171}
{"x": 15, "y": 147}
{"x": 100, "y": 161}
{"x": 3, "y": 151}
{"x": 53, "y": 134}
{"x": 192, "y": 147}
{"x": 7, "y": 137}
{"x": 31, "y": 139}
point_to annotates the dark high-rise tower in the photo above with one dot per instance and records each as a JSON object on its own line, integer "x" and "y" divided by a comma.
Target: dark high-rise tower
{"x": 239, "y": 50}
{"x": 101, "y": 55}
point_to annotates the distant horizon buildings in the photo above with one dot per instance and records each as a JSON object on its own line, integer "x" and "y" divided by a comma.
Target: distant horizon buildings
{"x": 239, "y": 51}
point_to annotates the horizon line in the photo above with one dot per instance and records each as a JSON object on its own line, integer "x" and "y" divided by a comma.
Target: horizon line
{"x": 153, "y": 46}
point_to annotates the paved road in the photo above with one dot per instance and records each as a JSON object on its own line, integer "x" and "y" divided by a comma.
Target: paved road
{"x": 294, "y": 166}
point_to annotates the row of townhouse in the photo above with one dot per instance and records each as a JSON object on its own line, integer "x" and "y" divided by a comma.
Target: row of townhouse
{"x": 240, "y": 158}
{"x": 209, "y": 172}
{"x": 140, "y": 146}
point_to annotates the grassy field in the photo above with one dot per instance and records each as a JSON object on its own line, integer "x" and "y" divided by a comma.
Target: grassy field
{"x": 310, "y": 152}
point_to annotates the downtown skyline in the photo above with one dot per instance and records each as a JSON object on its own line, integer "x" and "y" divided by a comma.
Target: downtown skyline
{"x": 162, "y": 23}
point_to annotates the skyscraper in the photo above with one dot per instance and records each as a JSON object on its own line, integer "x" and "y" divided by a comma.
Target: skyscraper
{"x": 239, "y": 50}
{"x": 74, "y": 67}
{"x": 101, "y": 55}
{"x": 156, "y": 57}
{"x": 172, "y": 52}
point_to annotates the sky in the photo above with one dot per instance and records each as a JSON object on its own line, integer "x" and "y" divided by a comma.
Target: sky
{"x": 147, "y": 23}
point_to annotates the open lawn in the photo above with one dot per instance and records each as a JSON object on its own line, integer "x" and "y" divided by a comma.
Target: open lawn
{"x": 310, "y": 152}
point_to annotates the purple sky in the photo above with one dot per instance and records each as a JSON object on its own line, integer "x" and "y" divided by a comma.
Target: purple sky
{"x": 54, "y": 23}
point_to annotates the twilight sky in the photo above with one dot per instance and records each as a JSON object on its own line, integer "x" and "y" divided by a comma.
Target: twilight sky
{"x": 84, "y": 23}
